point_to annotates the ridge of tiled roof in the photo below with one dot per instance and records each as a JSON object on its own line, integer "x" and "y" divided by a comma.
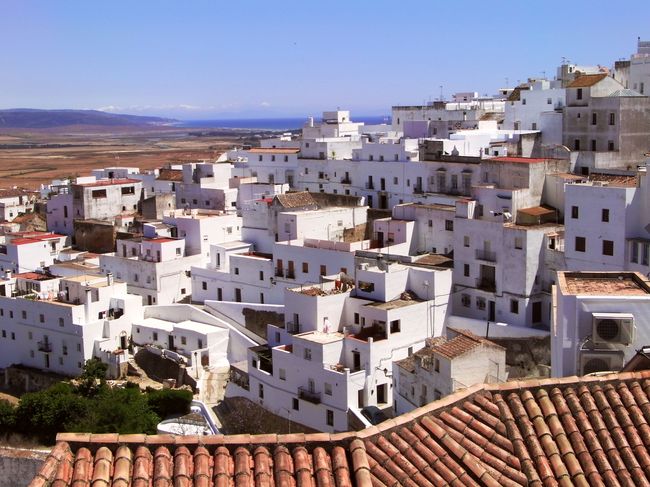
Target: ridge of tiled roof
{"x": 167, "y": 174}
{"x": 298, "y": 199}
{"x": 568, "y": 431}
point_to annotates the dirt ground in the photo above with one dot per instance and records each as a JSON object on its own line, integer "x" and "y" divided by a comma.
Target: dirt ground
{"x": 28, "y": 159}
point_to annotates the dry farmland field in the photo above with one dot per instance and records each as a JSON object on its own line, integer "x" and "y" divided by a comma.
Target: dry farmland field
{"x": 31, "y": 157}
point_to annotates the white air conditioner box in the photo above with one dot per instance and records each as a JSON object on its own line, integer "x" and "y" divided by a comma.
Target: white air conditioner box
{"x": 613, "y": 328}
{"x": 604, "y": 361}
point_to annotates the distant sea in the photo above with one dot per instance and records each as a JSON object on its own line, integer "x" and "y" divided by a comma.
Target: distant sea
{"x": 268, "y": 123}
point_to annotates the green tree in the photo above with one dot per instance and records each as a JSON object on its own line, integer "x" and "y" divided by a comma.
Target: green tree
{"x": 7, "y": 416}
{"x": 93, "y": 378}
{"x": 46, "y": 413}
{"x": 168, "y": 402}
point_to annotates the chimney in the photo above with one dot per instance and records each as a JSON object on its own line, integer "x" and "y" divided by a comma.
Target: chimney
{"x": 87, "y": 302}
{"x": 109, "y": 279}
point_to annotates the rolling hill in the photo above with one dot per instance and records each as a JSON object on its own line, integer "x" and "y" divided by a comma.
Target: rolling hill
{"x": 27, "y": 118}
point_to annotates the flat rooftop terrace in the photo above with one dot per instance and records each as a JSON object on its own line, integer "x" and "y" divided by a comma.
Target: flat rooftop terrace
{"x": 604, "y": 283}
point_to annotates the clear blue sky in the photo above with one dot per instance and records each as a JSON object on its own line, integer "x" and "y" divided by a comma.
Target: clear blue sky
{"x": 238, "y": 58}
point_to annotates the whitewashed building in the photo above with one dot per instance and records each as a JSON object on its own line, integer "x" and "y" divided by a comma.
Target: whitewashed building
{"x": 444, "y": 366}
{"x": 600, "y": 321}
{"x": 336, "y": 350}
{"x": 57, "y": 324}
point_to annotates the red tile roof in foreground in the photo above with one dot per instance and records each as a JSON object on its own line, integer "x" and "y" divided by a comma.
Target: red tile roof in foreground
{"x": 570, "y": 431}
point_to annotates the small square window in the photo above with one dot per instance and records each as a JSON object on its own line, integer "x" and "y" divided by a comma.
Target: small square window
{"x": 514, "y": 306}
{"x": 608, "y": 247}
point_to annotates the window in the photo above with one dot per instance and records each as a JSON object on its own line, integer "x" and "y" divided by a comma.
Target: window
{"x": 645, "y": 255}
{"x": 436, "y": 394}
{"x": 549, "y": 101}
{"x": 261, "y": 298}
{"x": 78, "y": 347}
{"x": 575, "y": 212}
{"x": 260, "y": 391}
{"x": 99, "y": 193}
{"x": 4, "y": 333}
{"x": 128, "y": 190}
{"x": 183, "y": 341}
{"x": 533, "y": 126}
{"x": 356, "y": 318}
{"x": 41, "y": 318}
{"x": 594, "y": 119}
{"x": 634, "y": 253}
{"x": 259, "y": 158}
{"x": 200, "y": 343}
{"x": 466, "y": 241}
{"x": 282, "y": 374}
{"x": 465, "y": 300}
{"x": 523, "y": 101}
{"x": 519, "y": 243}
{"x": 395, "y": 180}
{"x": 328, "y": 389}
{"x": 576, "y": 144}
{"x": 610, "y": 145}
{"x": 593, "y": 145}
{"x": 579, "y": 94}
{"x": 436, "y": 365}
{"x": 29, "y": 335}
{"x": 466, "y": 270}
{"x": 329, "y": 417}
{"x": 24, "y": 314}
{"x": 178, "y": 251}
{"x": 580, "y": 244}
{"x": 295, "y": 404}
{"x": 430, "y": 223}
{"x": 261, "y": 275}
{"x": 608, "y": 247}
{"x": 514, "y": 306}
{"x": 61, "y": 322}
{"x": 449, "y": 225}
{"x": 395, "y": 326}
{"x": 204, "y": 285}
{"x": 323, "y": 270}
{"x": 155, "y": 336}
{"x": 604, "y": 216}
{"x": 236, "y": 271}
{"x": 612, "y": 119}
{"x": 305, "y": 267}
{"x": 13, "y": 335}
{"x": 366, "y": 287}
{"x": 307, "y": 353}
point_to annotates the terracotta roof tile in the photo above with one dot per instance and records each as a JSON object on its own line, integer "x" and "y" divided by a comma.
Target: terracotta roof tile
{"x": 571, "y": 431}
{"x": 299, "y": 199}
{"x": 587, "y": 80}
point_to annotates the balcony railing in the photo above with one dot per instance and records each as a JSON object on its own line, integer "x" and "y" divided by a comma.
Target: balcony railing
{"x": 487, "y": 255}
{"x": 279, "y": 272}
{"x": 418, "y": 190}
{"x": 486, "y": 284}
{"x": 290, "y": 274}
{"x": 309, "y": 396}
{"x": 346, "y": 181}
{"x": 370, "y": 185}
{"x": 45, "y": 346}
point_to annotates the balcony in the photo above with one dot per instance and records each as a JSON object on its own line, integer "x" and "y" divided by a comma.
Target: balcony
{"x": 486, "y": 255}
{"x": 309, "y": 396}
{"x": 370, "y": 185}
{"x": 346, "y": 181}
{"x": 418, "y": 190}
{"x": 486, "y": 284}
{"x": 45, "y": 346}
{"x": 279, "y": 272}
{"x": 290, "y": 274}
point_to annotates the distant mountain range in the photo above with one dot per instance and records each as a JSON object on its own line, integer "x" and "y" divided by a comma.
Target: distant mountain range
{"x": 27, "y": 118}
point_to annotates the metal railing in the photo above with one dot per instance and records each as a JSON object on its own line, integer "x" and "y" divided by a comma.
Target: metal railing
{"x": 309, "y": 396}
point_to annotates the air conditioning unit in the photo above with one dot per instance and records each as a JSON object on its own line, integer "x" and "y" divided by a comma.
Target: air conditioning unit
{"x": 613, "y": 328}
{"x": 592, "y": 362}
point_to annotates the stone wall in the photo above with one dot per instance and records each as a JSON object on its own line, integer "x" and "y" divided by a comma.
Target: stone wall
{"x": 526, "y": 357}
{"x": 256, "y": 320}
{"x": 25, "y": 379}
{"x": 19, "y": 466}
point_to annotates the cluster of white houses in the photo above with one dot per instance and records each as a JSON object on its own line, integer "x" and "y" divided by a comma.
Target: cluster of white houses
{"x": 371, "y": 262}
